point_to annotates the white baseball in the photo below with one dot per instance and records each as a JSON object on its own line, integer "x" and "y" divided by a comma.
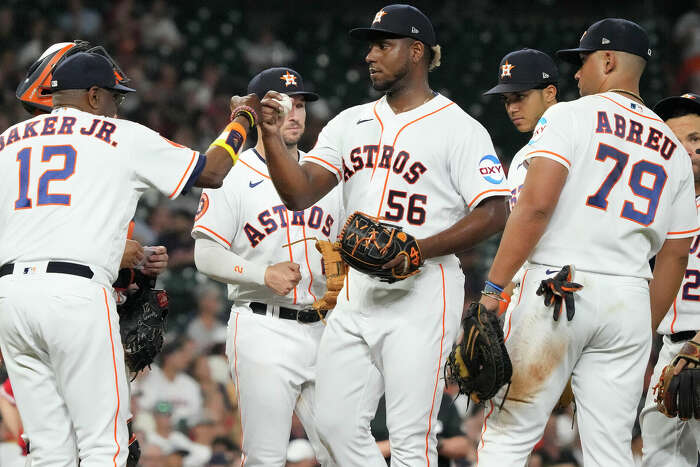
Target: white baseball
{"x": 286, "y": 103}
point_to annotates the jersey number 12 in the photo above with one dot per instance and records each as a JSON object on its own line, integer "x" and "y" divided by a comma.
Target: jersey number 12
{"x": 43, "y": 197}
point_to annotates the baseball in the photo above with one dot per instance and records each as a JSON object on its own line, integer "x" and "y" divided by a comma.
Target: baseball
{"x": 286, "y": 103}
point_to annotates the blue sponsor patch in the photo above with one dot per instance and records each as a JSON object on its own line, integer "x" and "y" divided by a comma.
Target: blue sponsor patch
{"x": 490, "y": 168}
{"x": 539, "y": 129}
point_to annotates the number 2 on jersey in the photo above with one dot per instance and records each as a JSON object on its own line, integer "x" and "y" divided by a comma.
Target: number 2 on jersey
{"x": 43, "y": 196}
{"x": 650, "y": 193}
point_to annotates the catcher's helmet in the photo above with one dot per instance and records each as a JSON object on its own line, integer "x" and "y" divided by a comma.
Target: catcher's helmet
{"x": 30, "y": 90}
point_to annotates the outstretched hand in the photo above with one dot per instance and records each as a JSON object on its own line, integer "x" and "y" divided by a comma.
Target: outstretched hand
{"x": 272, "y": 113}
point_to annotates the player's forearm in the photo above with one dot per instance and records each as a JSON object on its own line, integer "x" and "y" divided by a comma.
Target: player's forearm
{"x": 384, "y": 448}
{"x": 669, "y": 269}
{"x": 487, "y": 219}
{"x": 292, "y": 182}
{"x": 223, "y": 265}
{"x": 10, "y": 416}
{"x": 523, "y": 230}
{"x": 456, "y": 447}
{"x": 223, "y": 153}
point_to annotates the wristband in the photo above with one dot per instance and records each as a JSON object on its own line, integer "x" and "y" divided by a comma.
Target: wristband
{"x": 491, "y": 287}
{"x": 231, "y": 139}
{"x": 245, "y": 111}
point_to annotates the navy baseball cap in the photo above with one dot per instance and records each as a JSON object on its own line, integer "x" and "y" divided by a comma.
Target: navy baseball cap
{"x": 525, "y": 69}
{"x": 84, "y": 70}
{"x": 281, "y": 79}
{"x": 398, "y": 21}
{"x": 689, "y": 103}
{"x": 610, "y": 34}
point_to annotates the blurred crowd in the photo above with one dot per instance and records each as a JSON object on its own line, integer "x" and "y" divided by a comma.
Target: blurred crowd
{"x": 185, "y": 408}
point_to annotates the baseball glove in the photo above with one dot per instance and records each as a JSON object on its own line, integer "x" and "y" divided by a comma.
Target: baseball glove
{"x": 142, "y": 323}
{"x": 334, "y": 270}
{"x": 679, "y": 395}
{"x": 480, "y": 364}
{"x": 366, "y": 245}
{"x": 560, "y": 289}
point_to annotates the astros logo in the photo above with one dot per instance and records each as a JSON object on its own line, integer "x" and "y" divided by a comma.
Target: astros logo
{"x": 688, "y": 96}
{"x": 203, "y": 206}
{"x": 378, "y": 16}
{"x": 506, "y": 69}
{"x": 289, "y": 79}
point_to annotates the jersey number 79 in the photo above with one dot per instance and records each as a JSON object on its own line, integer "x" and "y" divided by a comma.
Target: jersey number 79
{"x": 43, "y": 197}
{"x": 648, "y": 190}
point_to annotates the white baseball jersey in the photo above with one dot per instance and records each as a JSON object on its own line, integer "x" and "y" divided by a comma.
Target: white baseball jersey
{"x": 392, "y": 167}
{"x": 630, "y": 185}
{"x": 684, "y": 314}
{"x": 516, "y": 175}
{"x": 247, "y": 216}
{"x": 71, "y": 181}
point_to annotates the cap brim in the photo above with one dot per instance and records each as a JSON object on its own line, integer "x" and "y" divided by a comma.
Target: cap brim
{"x": 122, "y": 88}
{"x": 308, "y": 96}
{"x": 372, "y": 33}
{"x": 513, "y": 87}
{"x": 572, "y": 55}
{"x": 665, "y": 107}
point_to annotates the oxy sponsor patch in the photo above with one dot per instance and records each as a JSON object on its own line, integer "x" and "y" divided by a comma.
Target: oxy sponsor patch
{"x": 539, "y": 129}
{"x": 490, "y": 168}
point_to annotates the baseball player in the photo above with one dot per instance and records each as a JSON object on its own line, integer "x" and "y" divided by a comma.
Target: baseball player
{"x": 415, "y": 159}
{"x": 527, "y": 83}
{"x": 671, "y": 441}
{"x": 608, "y": 186}
{"x": 246, "y": 237}
{"x": 72, "y": 181}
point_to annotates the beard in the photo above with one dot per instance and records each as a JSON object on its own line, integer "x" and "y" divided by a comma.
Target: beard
{"x": 390, "y": 83}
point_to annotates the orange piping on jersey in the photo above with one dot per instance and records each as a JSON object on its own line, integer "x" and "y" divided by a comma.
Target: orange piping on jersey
{"x": 327, "y": 163}
{"x": 683, "y": 232}
{"x": 238, "y": 391}
{"x": 254, "y": 170}
{"x": 116, "y": 379}
{"x": 510, "y": 317}
{"x": 194, "y": 156}
{"x": 437, "y": 376}
{"x": 289, "y": 246}
{"x": 306, "y": 255}
{"x": 388, "y": 169}
{"x": 381, "y": 135}
{"x": 675, "y": 315}
{"x": 130, "y": 230}
{"x": 483, "y": 443}
{"x": 630, "y": 110}
{"x": 502, "y": 190}
{"x": 213, "y": 233}
{"x": 552, "y": 153}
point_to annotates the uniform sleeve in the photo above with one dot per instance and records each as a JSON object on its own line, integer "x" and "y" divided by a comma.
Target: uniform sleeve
{"x": 474, "y": 167}
{"x": 553, "y": 137}
{"x": 163, "y": 164}
{"x": 217, "y": 215}
{"x": 684, "y": 211}
{"x": 327, "y": 152}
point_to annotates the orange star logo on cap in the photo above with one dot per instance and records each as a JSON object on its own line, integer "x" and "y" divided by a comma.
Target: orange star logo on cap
{"x": 378, "y": 16}
{"x": 289, "y": 79}
{"x": 506, "y": 68}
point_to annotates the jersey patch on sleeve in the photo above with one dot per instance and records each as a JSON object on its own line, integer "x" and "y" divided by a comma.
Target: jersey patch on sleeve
{"x": 490, "y": 168}
{"x": 203, "y": 206}
{"x": 539, "y": 129}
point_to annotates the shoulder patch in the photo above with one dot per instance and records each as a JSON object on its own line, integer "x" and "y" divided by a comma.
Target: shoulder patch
{"x": 203, "y": 206}
{"x": 491, "y": 170}
{"x": 539, "y": 129}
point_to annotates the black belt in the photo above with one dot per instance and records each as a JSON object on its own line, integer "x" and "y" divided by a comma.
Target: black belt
{"x": 59, "y": 267}
{"x": 303, "y": 316}
{"x": 682, "y": 336}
